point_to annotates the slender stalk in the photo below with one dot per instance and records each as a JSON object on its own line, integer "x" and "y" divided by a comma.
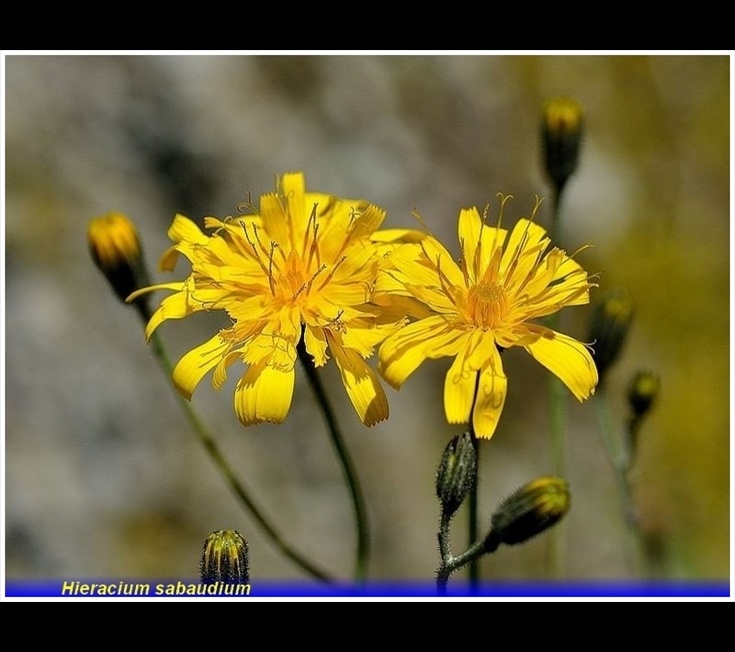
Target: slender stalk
{"x": 449, "y": 563}
{"x": 557, "y": 410}
{"x": 362, "y": 549}
{"x": 619, "y": 458}
{"x": 474, "y": 562}
{"x": 226, "y": 471}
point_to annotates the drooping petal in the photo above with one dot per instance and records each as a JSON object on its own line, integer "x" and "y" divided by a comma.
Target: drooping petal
{"x": 567, "y": 358}
{"x": 362, "y": 385}
{"x": 491, "y": 391}
{"x": 196, "y": 363}
{"x": 459, "y": 391}
{"x": 315, "y": 342}
{"x": 264, "y": 394}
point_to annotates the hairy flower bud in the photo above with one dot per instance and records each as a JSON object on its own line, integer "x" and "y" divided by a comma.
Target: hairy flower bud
{"x": 528, "y": 511}
{"x": 457, "y": 472}
{"x": 562, "y": 129}
{"x": 225, "y": 558}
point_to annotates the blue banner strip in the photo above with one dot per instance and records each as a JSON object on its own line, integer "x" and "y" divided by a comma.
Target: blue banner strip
{"x": 182, "y": 588}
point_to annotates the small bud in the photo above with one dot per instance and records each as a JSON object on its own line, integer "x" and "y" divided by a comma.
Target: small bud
{"x": 563, "y": 125}
{"x": 642, "y": 393}
{"x": 528, "y": 511}
{"x": 115, "y": 248}
{"x": 611, "y": 319}
{"x": 225, "y": 558}
{"x": 457, "y": 472}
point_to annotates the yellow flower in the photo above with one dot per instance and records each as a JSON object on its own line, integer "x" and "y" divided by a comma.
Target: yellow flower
{"x": 473, "y": 309}
{"x": 304, "y": 265}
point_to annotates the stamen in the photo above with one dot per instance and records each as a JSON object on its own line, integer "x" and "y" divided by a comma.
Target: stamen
{"x": 266, "y": 270}
{"x": 271, "y": 281}
{"x": 311, "y": 280}
{"x": 446, "y": 284}
{"x": 330, "y": 276}
{"x": 311, "y": 224}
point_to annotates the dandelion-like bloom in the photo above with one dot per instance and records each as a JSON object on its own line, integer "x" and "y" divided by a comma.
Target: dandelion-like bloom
{"x": 303, "y": 265}
{"x": 473, "y": 309}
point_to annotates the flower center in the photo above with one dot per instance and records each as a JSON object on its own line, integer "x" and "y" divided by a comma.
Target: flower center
{"x": 487, "y": 304}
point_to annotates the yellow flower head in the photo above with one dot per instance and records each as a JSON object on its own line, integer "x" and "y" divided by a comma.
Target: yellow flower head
{"x": 486, "y": 301}
{"x": 304, "y": 264}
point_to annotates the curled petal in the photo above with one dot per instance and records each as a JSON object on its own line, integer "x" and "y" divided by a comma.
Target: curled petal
{"x": 196, "y": 363}
{"x": 567, "y": 358}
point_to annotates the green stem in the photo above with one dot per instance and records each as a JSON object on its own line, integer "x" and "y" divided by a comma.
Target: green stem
{"x": 557, "y": 410}
{"x": 474, "y": 562}
{"x": 449, "y": 563}
{"x": 223, "y": 466}
{"x": 619, "y": 459}
{"x": 362, "y": 551}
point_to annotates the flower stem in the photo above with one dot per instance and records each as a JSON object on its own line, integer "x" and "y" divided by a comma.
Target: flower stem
{"x": 473, "y": 569}
{"x": 619, "y": 458}
{"x": 362, "y": 551}
{"x": 450, "y": 563}
{"x": 223, "y": 466}
{"x": 557, "y": 411}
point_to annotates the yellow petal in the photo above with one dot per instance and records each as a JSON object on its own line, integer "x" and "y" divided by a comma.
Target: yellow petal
{"x": 273, "y": 213}
{"x": 196, "y": 363}
{"x": 526, "y": 242}
{"x": 362, "y": 385}
{"x": 183, "y": 229}
{"x": 176, "y": 286}
{"x": 491, "y": 391}
{"x": 404, "y": 351}
{"x": 478, "y": 242}
{"x": 316, "y": 345}
{"x": 566, "y": 358}
{"x": 459, "y": 391}
{"x": 292, "y": 188}
{"x": 264, "y": 394}
{"x": 175, "y": 306}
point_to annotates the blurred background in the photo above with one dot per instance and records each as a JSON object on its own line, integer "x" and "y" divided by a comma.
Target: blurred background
{"x": 104, "y": 477}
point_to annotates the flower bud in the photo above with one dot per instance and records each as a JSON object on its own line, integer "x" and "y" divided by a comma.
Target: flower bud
{"x": 642, "y": 393}
{"x": 115, "y": 248}
{"x": 611, "y": 319}
{"x": 528, "y": 511}
{"x": 562, "y": 128}
{"x": 457, "y": 472}
{"x": 225, "y": 558}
